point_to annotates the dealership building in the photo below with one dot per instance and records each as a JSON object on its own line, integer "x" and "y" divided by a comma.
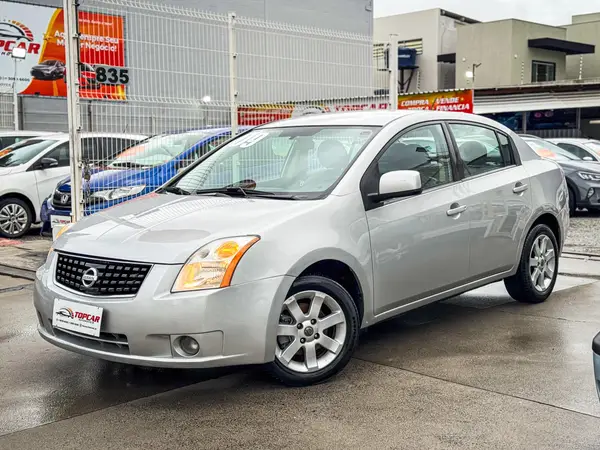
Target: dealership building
{"x": 534, "y": 78}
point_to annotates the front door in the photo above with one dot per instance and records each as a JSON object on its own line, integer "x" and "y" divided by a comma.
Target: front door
{"x": 420, "y": 244}
{"x": 47, "y": 179}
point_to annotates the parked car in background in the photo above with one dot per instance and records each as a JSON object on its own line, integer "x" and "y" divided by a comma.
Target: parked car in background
{"x": 29, "y": 173}
{"x": 9, "y": 138}
{"x": 279, "y": 246}
{"x": 585, "y": 149}
{"x": 596, "y": 351}
{"x": 136, "y": 171}
{"x": 583, "y": 177}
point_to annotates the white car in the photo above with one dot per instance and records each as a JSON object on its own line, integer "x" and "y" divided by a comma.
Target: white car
{"x": 8, "y": 138}
{"x": 30, "y": 171}
{"x": 585, "y": 149}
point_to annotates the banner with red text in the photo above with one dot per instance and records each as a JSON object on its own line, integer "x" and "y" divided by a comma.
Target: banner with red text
{"x": 39, "y": 30}
{"x": 258, "y": 114}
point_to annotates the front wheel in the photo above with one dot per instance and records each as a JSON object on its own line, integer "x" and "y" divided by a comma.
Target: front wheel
{"x": 317, "y": 332}
{"x": 15, "y": 218}
{"x": 538, "y": 267}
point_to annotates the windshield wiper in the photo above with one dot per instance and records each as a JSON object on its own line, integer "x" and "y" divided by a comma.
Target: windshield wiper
{"x": 236, "y": 190}
{"x": 174, "y": 190}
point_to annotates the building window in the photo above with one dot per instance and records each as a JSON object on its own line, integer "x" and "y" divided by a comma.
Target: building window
{"x": 543, "y": 71}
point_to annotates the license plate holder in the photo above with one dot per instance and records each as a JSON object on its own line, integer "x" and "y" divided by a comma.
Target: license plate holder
{"x": 78, "y": 317}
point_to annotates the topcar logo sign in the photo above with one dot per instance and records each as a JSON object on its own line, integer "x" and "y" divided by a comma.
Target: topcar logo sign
{"x": 14, "y": 34}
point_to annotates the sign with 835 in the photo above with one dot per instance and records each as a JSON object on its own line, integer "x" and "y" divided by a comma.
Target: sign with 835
{"x": 112, "y": 75}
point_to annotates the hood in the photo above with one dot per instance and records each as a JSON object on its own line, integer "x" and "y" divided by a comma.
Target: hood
{"x": 573, "y": 165}
{"x": 6, "y": 170}
{"x": 111, "y": 179}
{"x": 167, "y": 229}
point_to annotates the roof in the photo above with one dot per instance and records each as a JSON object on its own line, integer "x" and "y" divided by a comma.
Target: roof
{"x": 370, "y": 118}
{"x": 354, "y": 118}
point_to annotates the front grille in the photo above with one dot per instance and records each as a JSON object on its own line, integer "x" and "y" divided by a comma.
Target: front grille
{"x": 61, "y": 200}
{"x": 111, "y": 277}
{"x": 109, "y": 342}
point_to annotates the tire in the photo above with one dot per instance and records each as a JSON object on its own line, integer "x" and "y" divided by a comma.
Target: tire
{"x": 305, "y": 334}
{"x": 19, "y": 210}
{"x": 521, "y": 286}
{"x": 572, "y": 202}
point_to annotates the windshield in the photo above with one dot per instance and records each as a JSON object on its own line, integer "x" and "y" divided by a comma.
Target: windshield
{"x": 550, "y": 151}
{"x": 25, "y": 151}
{"x": 158, "y": 149}
{"x": 298, "y": 160}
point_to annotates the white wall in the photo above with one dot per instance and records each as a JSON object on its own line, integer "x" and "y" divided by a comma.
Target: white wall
{"x": 418, "y": 25}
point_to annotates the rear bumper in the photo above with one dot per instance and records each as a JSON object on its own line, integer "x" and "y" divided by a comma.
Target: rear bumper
{"x": 596, "y": 350}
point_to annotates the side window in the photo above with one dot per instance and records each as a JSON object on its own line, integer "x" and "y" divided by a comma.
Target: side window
{"x": 61, "y": 154}
{"x": 479, "y": 149}
{"x": 574, "y": 150}
{"x": 506, "y": 149}
{"x": 425, "y": 150}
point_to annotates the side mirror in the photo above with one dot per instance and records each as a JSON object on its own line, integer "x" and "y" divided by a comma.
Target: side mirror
{"x": 46, "y": 163}
{"x": 396, "y": 184}
{"x": 588, "y": 158}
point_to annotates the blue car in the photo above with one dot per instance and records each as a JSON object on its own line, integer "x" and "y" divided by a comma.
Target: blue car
{"x": 136, "y": 171}
{"x": 596, "y": 350}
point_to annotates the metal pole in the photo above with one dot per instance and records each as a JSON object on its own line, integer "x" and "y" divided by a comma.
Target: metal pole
{"x": 15, "y": 98}
{"x": 73, "y": 106}
{"x": 393, "y": 68}
{"x": 233, "y": 92}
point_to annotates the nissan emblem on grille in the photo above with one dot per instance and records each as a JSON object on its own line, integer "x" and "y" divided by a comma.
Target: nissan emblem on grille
{"x": 89, "y": 277}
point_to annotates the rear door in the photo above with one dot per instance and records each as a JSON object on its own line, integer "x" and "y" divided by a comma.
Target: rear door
{"x": 497, "y": 194}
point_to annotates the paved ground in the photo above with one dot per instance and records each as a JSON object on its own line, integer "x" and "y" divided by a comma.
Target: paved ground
{"x": 477, "y": 371}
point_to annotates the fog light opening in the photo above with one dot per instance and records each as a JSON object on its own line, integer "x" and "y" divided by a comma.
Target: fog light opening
{"x": 590, "y": 192}
{"x": 189, "y": 346}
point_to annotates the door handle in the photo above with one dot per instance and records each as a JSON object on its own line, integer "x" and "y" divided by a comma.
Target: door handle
{"x": 520, "y": 187}
{"x": 455, "y": 209}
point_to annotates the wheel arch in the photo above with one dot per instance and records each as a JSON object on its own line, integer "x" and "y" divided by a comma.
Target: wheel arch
{"x": 342, "y": 268}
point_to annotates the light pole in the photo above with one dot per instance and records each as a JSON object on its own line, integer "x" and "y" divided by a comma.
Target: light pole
{"x": 18, "y": 54}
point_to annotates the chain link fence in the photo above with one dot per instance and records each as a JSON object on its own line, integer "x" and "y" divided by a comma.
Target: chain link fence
{"x": 190, "y": 80}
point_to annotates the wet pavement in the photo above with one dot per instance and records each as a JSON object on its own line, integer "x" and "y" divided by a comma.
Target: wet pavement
{"x": 477, "y": 371}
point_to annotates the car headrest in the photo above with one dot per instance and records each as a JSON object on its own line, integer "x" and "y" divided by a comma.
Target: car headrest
{"x": 332, "y": 154}
{"x": 473, "y": 152}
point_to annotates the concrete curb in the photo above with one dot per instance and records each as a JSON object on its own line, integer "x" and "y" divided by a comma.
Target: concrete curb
{"x": 17, "y": 272}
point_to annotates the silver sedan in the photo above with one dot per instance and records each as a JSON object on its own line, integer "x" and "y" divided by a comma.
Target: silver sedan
{"x": 280, "y": 245}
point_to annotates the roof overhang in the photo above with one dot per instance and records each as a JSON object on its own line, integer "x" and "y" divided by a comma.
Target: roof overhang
{"x": 559, "y": 45}
{"x": 447, "y": 58}
{"x": 532, "y": 98}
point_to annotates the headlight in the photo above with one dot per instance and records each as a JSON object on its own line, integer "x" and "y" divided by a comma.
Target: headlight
{"x": 113, "y": 194}
{"x": 213, "y": 265}
{"x": 589, "y": 176}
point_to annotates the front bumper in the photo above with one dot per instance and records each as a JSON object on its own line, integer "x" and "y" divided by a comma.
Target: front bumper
{"x": 233, "y": 326}
{"x": 596, "y": 350}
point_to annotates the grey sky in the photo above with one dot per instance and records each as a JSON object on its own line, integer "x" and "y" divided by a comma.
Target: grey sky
{"x": 554, "y": 12}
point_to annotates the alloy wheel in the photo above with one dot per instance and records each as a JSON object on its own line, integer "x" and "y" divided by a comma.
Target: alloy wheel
{"x": 13, "y": 219}
{"x": 311, "y": 332}
{"x": 542, "y": 262}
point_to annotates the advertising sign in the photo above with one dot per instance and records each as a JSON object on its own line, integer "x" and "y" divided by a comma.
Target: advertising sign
{"x": 253, "y": 115}
{"x": 39, "y": 31}
{"x": 457, "y": 101}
